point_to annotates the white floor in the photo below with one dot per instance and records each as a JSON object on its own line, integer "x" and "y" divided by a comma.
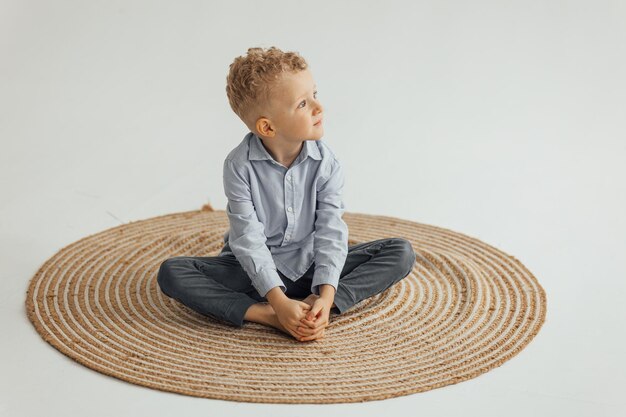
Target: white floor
{"x": 505, "y": 121}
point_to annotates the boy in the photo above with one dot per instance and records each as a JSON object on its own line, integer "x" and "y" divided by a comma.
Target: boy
{"x": 287, "y": 236}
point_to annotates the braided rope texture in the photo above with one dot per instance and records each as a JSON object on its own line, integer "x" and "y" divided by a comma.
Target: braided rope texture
{"x": 465, "y": 308}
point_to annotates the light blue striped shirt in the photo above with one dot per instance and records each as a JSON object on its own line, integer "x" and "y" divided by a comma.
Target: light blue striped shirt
{"x": 285, "y": 218}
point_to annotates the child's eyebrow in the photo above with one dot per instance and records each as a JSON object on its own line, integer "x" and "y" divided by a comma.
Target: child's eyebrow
{"x": 314, "y": 87}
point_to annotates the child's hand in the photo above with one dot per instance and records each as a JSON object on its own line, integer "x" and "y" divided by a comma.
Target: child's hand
{"x": 316, "y": 320}
{"x": 289, "y": 313}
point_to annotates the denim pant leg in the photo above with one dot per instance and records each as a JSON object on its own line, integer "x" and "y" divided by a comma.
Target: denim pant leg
{"x": 215, "y": 286}
{"x": 371, "y": 268}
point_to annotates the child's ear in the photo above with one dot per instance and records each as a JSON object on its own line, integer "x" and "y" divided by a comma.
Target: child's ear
{"x": 264, "y": 128}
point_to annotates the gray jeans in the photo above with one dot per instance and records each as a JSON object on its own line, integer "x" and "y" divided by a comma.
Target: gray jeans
{"x": 218, "y": 286}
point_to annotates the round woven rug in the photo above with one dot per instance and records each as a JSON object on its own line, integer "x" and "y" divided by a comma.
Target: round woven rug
{"x": 465, "y": 308}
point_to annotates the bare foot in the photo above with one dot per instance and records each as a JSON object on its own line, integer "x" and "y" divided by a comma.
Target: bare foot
{"x": 264, "y": 313}
{"x": 272, "y": 320}
{"x": 311, "y": 299}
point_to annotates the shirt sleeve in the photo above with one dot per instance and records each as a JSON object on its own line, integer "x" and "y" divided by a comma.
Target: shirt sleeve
{"x": 330, "y": 244}
{"x": 247, "y": 234}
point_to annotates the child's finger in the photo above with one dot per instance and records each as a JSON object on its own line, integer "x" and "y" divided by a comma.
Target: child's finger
{"x": 312, "y": 320}
{"x": 317, "y": 335}
{"x": 310, "y": 323}
{"x": 306, "y": 331}
{"x": 314, "y": 324}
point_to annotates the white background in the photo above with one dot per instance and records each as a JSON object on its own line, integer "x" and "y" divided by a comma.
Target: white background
{"x": 502, "y": 120}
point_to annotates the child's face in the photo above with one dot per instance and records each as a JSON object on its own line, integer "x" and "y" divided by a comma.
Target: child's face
{"x": 296, "y": 109}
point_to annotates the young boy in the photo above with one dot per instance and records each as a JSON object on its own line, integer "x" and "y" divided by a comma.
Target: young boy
{"x": 287, "y": 237}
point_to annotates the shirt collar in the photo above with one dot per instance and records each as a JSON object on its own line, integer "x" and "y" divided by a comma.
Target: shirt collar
{"x": 258, "y": 152}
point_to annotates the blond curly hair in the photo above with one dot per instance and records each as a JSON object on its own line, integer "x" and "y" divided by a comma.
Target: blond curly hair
{"x": 252, "y": 79}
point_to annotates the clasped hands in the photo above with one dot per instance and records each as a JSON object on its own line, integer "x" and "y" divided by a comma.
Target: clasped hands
{"x": 303, "y": 321}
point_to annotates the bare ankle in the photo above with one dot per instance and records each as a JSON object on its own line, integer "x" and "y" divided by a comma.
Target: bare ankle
{"x": 259, "y": 313}
{"x": 264, "y": 313}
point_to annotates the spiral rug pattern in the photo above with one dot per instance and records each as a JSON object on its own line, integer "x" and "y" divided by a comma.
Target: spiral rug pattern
{"x": 465, "y": 308}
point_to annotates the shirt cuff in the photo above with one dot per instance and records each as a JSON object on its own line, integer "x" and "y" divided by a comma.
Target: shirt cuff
{"x": 324, "y": 275}
{"x": 266, "y": 279}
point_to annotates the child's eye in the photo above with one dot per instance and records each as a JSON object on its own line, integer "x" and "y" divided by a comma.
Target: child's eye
{"x": 304, "y": 101}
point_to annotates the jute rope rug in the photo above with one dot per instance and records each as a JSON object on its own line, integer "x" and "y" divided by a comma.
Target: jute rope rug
{"x": 466, "y": 308}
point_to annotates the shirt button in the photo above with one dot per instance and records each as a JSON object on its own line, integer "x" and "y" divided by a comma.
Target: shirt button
{"x": 289, "y": 209}
{"x": 289, "y": 177}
